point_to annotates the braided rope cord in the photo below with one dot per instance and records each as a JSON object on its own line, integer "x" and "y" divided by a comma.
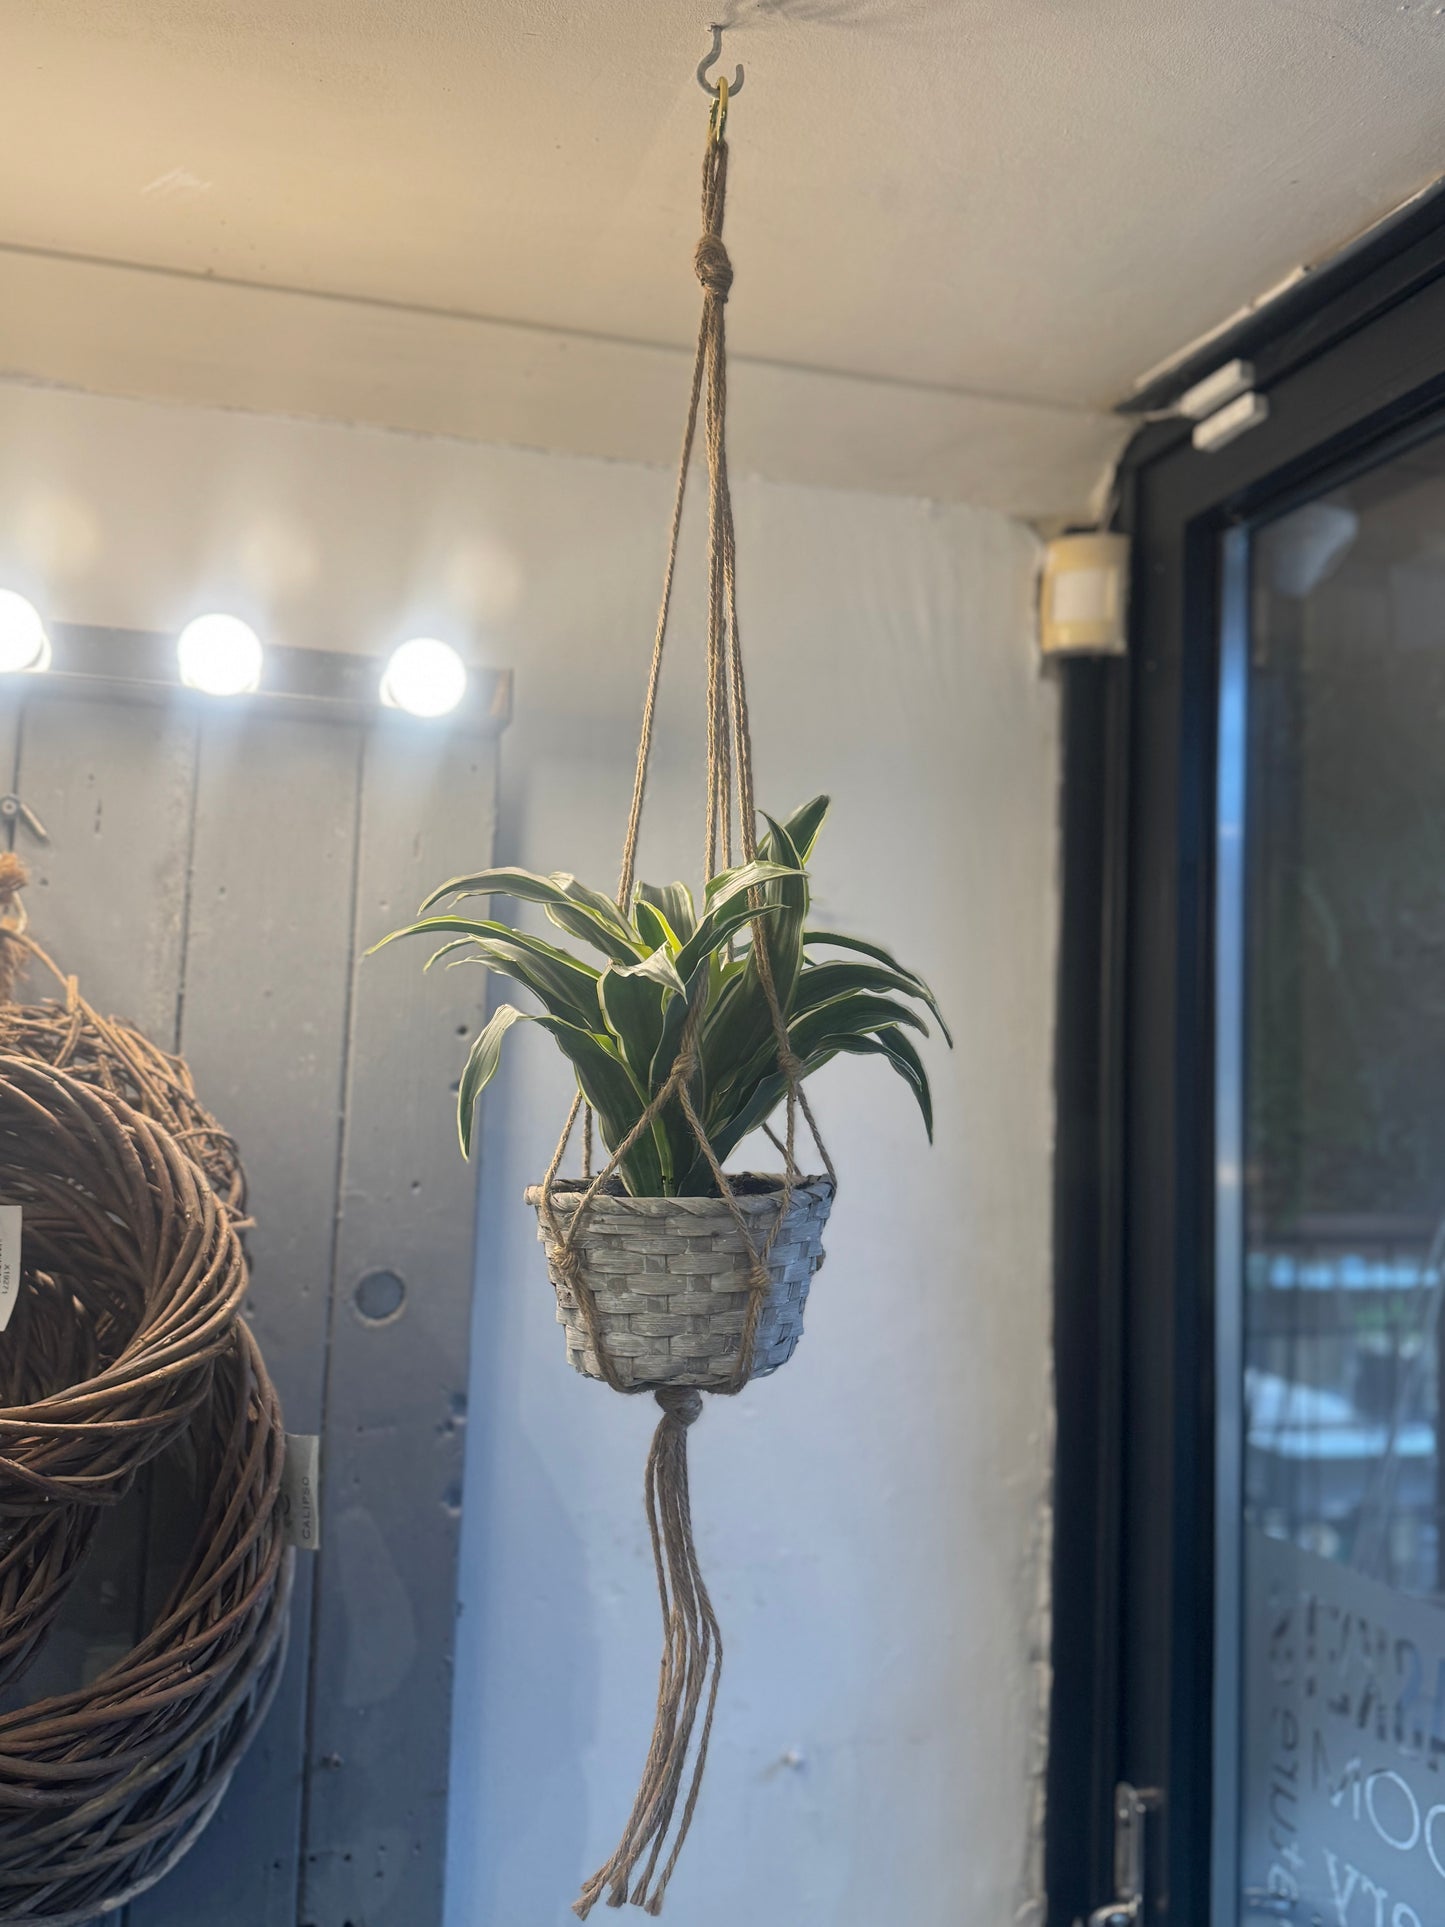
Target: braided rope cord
{"x": 692, "y": 1652}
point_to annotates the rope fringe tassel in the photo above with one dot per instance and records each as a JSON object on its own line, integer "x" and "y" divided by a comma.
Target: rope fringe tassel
{"x": 688, "y": 1684}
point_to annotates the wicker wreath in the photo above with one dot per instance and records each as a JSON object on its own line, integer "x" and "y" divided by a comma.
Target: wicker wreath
{"x": 114, "y": 1056}
{"x": 122, "y": 1226}
{"x": 106, "y": 1051}
{"x": 44, "y": 1347}
{"x": 124, "y": 1343}
{"x": 38, "y": 1559}
{"x": 102, "y": 1790}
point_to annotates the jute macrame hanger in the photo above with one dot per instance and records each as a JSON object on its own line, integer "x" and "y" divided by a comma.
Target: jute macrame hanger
{"x": 692, "y": 1651}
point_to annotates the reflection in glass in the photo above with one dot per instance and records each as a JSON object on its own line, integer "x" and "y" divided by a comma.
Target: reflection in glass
{"x": 1342, "y": 1794}
{"x": 1345, "y": 1137}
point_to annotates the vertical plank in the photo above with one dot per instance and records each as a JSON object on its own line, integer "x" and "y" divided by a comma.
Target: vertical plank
{"x": 382, "y": 1686}
{"x": 11, "y": 698}
{"x": 113, "y": 784}
{"x": 264, "y": 1020}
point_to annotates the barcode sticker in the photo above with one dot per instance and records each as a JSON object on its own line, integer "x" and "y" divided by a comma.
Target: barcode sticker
{"x": 9, "y": 1261}
{"x": 301, "y": 1491}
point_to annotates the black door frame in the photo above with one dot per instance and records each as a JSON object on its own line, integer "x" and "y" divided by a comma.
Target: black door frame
{"x": 1352, "y": 363}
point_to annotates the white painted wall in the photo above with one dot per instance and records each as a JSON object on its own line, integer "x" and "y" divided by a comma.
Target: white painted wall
{"x": 873, "y": 1518}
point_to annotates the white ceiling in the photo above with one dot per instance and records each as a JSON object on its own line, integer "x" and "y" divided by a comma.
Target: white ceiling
{"x": 974, "y": 223}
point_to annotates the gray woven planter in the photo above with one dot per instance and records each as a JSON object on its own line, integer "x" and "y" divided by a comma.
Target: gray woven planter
{"x": 670, "y": 1276}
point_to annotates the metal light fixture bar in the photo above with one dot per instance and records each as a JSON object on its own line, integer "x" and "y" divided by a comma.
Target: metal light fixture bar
{"x": 137, "y": 665}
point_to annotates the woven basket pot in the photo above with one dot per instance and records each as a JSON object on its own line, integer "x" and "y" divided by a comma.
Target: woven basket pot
{"x": 670, "y": 1276}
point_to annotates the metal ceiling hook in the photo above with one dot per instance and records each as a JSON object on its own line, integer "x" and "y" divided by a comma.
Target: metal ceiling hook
{"x": 735, "y": 85}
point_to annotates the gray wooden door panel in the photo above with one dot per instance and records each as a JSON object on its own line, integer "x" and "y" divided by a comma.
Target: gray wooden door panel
{"x": 396, "y": 1395}
{"x": 268, "y": 956}
{"x": 9, "y": 744}
{"x": 113, "y": 785}
{"x": 216, "y": 875}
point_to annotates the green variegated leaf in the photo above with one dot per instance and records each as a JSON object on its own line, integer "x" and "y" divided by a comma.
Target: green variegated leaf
{"x": 728, "y": 1132}
{"x": 610, "y": 1089}
{"x": 724, "y": 970}
{"x": 824, "y": 982}
{"x": 715, "y": 929}
{"x": 573, "y": 907}
{"x": 739, "y": 1037}
{"x": 735, "y": 1032}
{"x": 695, "y": 991}
{"x": 654, "y": 928}
{"x": 633, "y": 1000}
{"x": 849, "y": 1017}
{"x": 682, "y": 1145}
{"x": 747, "y": 876}
{"x": 661, "y": 969}
{"x": 674, "y": 900}
{"x": 804, "y": 824}
{"x": 785, "y": 931}
{"x": 834, "y": 940}
{"x": 457, "y": 943}
{"x": 481, "y": 1067}
{"x": 891, "y": 1043}
{"x": 588, "y": 914}
{"x": 568, "y": 988}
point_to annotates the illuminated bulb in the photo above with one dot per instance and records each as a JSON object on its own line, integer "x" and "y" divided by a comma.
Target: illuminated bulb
{"x": 424, "y": 677}
{"x": 221, "y": 655}
{"x": 23, "y": 641}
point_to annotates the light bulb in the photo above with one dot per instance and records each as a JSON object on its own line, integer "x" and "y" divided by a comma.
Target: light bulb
{"x": 221, "y": 655}
{"x": 23, "y": 641}
{"x": 424, "y": 677}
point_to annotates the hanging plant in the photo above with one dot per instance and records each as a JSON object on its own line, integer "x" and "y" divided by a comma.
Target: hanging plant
{"x": 698, "y": 1027}
{"x": 668, "y": 970}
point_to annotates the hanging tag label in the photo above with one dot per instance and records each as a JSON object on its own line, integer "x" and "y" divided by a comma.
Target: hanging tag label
{"x": 301, "y": 1491}
{"x": 9, "y": 1261}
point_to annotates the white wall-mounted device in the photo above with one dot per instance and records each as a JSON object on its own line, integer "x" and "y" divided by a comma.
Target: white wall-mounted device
{"x": 1084, "y": 597}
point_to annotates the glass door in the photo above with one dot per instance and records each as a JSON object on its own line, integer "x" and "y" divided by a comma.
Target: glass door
{"x": 1329, "y": 1544}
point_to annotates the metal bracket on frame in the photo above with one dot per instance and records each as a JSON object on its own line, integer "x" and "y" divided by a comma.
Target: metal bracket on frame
{"x": 1224, "y": 406}
{"x": 15, "y": 815}
{"x": 1132, "y": 1806}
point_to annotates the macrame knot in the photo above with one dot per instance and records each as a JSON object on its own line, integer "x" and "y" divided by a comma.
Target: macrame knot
{"x": 793, "y": 1068}
{"x": 714, "y": 269}
{"x": 568, "y": 1260}
{"x": 681, "y": 1402}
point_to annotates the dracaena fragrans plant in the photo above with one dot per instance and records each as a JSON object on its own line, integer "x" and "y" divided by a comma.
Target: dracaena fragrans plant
{"x": 666, "y": 960}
